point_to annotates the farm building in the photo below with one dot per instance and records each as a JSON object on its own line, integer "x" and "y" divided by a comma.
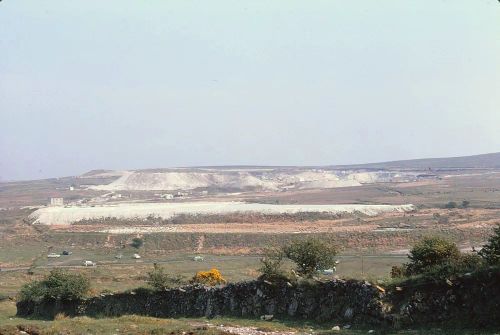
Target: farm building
{"x": 56, "y": 201}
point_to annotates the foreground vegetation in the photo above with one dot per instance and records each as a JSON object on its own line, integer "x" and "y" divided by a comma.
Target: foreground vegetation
{"x": 430, "y": 258}
{"x": 433, "y": 256}
{"x": 134, "y": 324}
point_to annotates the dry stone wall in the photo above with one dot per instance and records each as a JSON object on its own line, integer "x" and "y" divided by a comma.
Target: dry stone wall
{"x": 474, "y": 300}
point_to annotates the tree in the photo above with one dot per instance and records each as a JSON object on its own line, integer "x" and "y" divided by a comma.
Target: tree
{"x": 310, "y": 255}
{"x": 491, "y": 250}
{"x": 431, "y": 251}
{"x": 137, "y": 242}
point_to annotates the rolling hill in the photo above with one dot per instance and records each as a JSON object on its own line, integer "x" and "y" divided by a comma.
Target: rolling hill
{"x": 485, "y": 161}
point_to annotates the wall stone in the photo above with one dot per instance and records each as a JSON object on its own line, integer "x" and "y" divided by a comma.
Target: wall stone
{"x": 475, "y": 300}
{"x": 336, "y": 299}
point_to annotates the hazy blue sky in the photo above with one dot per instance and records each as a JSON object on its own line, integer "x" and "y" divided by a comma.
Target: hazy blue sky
{"x": 155, "y": 83}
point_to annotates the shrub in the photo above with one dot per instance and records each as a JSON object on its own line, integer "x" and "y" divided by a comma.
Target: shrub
{"x": 310, "y": 255}
{"x": 137, "y": 242}
{"x": 464, "y": 263}
{"x": 435, "y": 257}
{"x": 212, "y": 278}
{"x": 160, "y": 280}
{"x": 429, "y": 252}
{"x": 465, "y": 204}
{"x": 399, "y": 271}
{"x": 271, "y": 264}
{"x": 491, "y": 250}
{"x": 451, "y": 204}
{"x": 58, "y": 285}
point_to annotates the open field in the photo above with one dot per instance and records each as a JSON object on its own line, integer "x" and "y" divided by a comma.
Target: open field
{"x": 127, "y": 273}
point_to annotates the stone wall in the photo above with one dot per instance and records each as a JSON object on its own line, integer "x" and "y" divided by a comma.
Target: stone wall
{"x": 474, "y": 300}
{"x": 468, "y": 299}
{"x": 337, "y": 299}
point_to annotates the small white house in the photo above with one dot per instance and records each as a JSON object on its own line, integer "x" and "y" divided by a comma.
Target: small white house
{"x": 56, "y": 201}
{"x": 198, "y": 258}
{"x": 136, "y": 256}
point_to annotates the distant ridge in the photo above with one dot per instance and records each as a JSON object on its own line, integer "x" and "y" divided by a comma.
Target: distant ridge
{"x": 482, "y": 161}
{"x": 485, "y": 161}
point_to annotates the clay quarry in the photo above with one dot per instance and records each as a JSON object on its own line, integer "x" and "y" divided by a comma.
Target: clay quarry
{"x": 363, "y": 205}
{"x": 266, "y": 179}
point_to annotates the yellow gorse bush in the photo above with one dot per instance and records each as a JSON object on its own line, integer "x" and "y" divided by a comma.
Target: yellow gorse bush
{"x": 212, "y": 277}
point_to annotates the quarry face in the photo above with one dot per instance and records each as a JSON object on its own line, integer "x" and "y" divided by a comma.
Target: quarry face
{"x": 248, "y": 179}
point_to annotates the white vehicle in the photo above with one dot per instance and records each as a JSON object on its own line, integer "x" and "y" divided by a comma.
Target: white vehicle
{"x": 53, "y": 255}
{"x": 198, "y": 258}
{"x": 136, "y": 256}
{"x": 88, "y": 263}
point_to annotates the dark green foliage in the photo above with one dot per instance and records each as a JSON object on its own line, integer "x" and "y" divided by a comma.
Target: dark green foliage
{"x": 57, "y": 285}
{"x": 271, "y": 264}
{"x": 465, "y": 263}
{"x": 437, "y": 258}
{"x": 399, "y": 271}
{"x": 310, "y": 255}
{"x": 429, "y": 252}
{"x": 160, "y": 280}
{"x": 137, "y": 242}
{"x": 451, "y": 204}
{"x": 491, "y": 250}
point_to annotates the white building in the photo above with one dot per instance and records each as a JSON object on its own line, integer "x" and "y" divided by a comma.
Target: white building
{"x": 57, "y": 201}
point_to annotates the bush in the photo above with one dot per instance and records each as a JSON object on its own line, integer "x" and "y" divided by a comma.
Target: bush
{"x": 160, "y": 280}
{"x": 451, "y": 204}
{"x": 310, "y": 255}
{"x": 435, "y": 257}
{"x": 211, "y": 278}
{"x": 57, "y": 285}
{"x": 137, "y": 242}
{"x": 465, "y": 204}
{"x": 271, "y": 264}
{"x": 429, "y": 252}
{"x": 465, "y": 263}
{"x": 399, "y": 271}
{"x": 491, "y": 250}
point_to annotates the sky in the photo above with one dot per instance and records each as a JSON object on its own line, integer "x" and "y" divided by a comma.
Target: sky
{"x": 134, "y": 84}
